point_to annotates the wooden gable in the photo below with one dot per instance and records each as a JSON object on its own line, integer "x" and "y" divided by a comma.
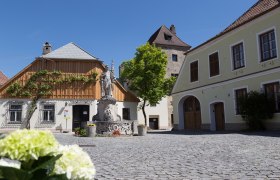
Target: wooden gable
{"x": 74, "y": 90}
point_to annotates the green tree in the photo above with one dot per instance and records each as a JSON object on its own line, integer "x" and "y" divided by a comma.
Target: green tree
{"x": 145, "y": 74}
{"x": 255, "y": 108}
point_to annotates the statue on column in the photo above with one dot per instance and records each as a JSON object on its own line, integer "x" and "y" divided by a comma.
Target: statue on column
{"x": 107, "y": 80}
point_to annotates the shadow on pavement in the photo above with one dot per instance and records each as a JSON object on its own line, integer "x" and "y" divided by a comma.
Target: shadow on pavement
{"x": 208, "y": 132}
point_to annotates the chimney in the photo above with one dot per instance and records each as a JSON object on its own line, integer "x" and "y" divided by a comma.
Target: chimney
{"x": 173, "y": 29}
{"x": 47, "y": 48}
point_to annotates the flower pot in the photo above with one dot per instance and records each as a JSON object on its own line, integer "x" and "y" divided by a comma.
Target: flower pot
{"x": 91, "y": 131}
{"x": 142, "y": 130}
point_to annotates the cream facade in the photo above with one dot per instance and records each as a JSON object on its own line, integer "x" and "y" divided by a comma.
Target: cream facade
{"x": 213, "y": 105}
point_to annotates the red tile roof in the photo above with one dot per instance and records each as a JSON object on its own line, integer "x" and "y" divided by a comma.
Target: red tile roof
{"x": 258, "y": 9}
{"x": 158, "y": 38}
{"x": 261, "y": 7}
{"x": 3, "y": 78}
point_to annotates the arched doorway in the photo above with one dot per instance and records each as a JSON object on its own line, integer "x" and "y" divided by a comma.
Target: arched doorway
{"x": 218, "y": 116}
{"x": 192, "y": 114}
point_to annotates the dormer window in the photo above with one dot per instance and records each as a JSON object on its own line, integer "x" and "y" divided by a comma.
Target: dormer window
{"x": 167, "y": 37}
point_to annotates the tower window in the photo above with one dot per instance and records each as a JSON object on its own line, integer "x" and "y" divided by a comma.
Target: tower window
{"x": 174, "y": 57}
{"x": 174, "y": 75}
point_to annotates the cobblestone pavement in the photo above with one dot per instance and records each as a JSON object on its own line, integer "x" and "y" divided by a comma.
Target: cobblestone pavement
{"x": 169, "y": 155}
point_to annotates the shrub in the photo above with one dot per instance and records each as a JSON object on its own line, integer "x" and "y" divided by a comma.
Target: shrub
{"x": 80, "y": 132}
{"x": 77, "y": 131}
{"x": 255, "y": 108}
{"x": 83, "y": 132}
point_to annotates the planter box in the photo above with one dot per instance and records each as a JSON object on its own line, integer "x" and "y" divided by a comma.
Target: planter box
{"x": 142, "y": 130}
{"x": 91, "y": 131}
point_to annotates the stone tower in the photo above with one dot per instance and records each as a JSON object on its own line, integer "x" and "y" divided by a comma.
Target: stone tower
{"x": 175, "y": 49}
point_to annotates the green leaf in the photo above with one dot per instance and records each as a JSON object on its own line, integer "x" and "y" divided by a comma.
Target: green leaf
{"x": 46, "y": 162}
{"x": 56, "y": 177}
{"x": 11, "y": 173}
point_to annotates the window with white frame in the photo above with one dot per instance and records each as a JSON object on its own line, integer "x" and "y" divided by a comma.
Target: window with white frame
{"x": 272, "y": 91}
{"x": 48, "y": 112}
{"x": 194, "y": 71}
{"x": 239, "y": 95}
{"x": 267, "y": 45}
{"x": 15, "y": 113}
{"x": 238, "y": 56}
{"x": 214, "y": 64}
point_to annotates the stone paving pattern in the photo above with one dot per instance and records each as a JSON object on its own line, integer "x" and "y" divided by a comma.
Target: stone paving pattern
{"x": 171, "y": 155}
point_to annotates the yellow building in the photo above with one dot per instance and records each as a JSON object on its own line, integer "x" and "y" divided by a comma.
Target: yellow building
{"x": 242, "y": 58}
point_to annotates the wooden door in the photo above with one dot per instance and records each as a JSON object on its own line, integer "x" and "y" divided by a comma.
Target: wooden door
{"x": 192, "y": 114}
{"x": 219, "y": 116}
{"x": 153, "y": 123}
{"x": 192, "y": 120}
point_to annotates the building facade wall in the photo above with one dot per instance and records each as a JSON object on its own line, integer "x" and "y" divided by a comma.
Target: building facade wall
{"x": 63, "y": 113}
{"x": 159, "y": 111}
{"x": 220, "y": 88}
{"x": 173, "y": 67}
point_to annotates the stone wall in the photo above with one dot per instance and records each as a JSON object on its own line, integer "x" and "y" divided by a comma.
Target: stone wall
{"x": 173, "y": 68}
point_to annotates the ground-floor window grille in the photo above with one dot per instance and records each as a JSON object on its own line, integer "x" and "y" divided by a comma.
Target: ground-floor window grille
{"x": 272, "y": 91}
{"x": 239, "y": 95}
{"x": 15, "y": 113}
{"x": 48, "y": 113}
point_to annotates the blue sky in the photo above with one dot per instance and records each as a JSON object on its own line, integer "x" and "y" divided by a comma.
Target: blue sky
{"x": 108, "y": 29}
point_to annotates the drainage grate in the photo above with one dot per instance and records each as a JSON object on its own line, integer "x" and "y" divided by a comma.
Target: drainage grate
{"x": 86, "y": 145}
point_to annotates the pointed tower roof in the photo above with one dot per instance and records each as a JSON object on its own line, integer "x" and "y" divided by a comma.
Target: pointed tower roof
{"x": 164, "y": 36}
{"x": 3, "y": 78}
{"x": 69, "y": 51}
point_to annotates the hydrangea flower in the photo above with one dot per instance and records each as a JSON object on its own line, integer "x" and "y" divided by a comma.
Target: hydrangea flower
{"x": 25, "y": 145}
{"x": 75, "y": 163}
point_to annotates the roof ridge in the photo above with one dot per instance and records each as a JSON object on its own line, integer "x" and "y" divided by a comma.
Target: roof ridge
{"x": 248, "y": 10}
{"x": 158, "y": 39}
{"x": 274, "y": 4}
{"x": 82, "y": 49}
{"x": 70, "y": 51}
{"x": 249, "y": 18}
{"x": 3, "y": 73}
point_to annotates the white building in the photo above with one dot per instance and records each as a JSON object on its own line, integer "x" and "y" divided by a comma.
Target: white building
{"x": 71, "y": 103}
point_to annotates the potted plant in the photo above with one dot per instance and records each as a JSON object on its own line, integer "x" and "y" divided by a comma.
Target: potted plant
{"x": 116, "y": 133}
{"x": 80, "y": 132}
{"x": 37, "y": 155}
{"x": 142, "y": 130}
{"x": 91, "y": 130}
